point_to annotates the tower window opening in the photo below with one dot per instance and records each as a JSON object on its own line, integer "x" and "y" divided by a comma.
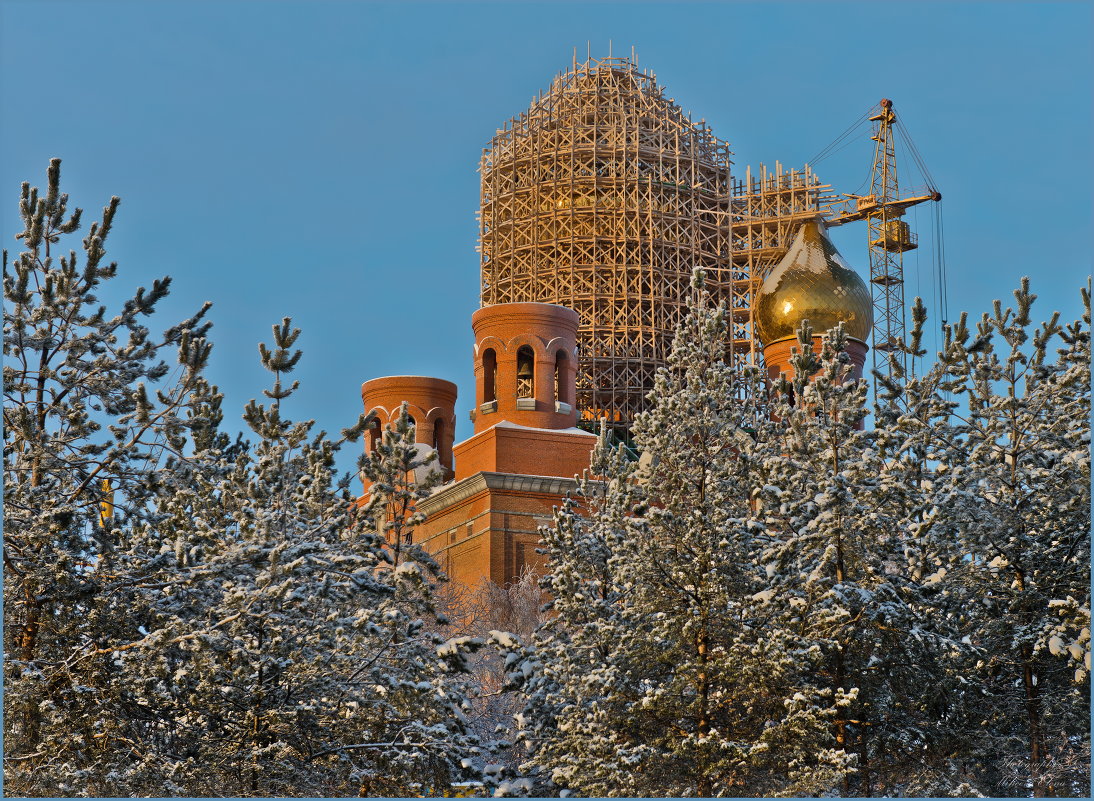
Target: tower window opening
{"x": 438, "y": 435}
{"x": 374, "y": 433}
{"x": 489, "y": 375}
{"x": 562, "y": 389}
{"x": 526, "y": 381}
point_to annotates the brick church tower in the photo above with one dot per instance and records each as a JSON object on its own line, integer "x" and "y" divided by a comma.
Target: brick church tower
{"x": 524, "y": 454}
{"x": 431, "y": 404}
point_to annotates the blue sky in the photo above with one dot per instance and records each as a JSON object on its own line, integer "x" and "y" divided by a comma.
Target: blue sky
{"x": 318, "y": 159}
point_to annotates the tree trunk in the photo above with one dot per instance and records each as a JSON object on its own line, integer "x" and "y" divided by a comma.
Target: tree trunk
{"x": 703, "y": 788}
{"x": 1033, "y": 716}
{"x": 842, "y": 740}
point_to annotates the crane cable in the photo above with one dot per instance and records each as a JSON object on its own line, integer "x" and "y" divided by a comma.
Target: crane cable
{"x": 939, "y": 229}
{"x": 939, "y": 255}
{"x": 832, "y": 146}
{"x": 940, "y": 262}
{"x": 916, "y": 157}
{"x": 918, "y": 291}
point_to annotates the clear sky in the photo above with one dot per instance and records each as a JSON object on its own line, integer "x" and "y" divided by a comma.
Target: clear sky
{"x": 318, "y": 159}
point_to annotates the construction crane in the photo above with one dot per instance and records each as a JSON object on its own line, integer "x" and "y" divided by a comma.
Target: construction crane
{"x": 889, "y": 236}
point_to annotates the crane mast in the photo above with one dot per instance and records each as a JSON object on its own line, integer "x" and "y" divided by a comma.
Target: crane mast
{"x": 888, "y": 236}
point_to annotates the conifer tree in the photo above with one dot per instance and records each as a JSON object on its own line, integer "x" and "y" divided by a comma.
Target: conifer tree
{"x": 1014, "y": 484}
{"x": 235, "y": 622}
{"x": 915, "y": 426}
{"x": 298, "y": 647}
{"x": 84, "y": 430}
{"x": 660, "y": 674}
{"x": 766, "y": 599}
{"x": 839, "y": 504}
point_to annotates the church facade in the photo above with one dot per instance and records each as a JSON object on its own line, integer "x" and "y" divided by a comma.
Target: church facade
{"x": 597, "y": 204}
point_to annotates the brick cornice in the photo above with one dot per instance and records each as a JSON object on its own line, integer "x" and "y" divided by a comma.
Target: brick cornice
{"x": 480, "y": 482}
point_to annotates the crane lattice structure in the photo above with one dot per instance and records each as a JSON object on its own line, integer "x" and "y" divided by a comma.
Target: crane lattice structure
{"x": 604, "y": 196}
{"x": 888, "y": 236}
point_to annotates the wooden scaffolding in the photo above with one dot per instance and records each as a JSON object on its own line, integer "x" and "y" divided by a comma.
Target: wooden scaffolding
{"x": 604, "y": 196}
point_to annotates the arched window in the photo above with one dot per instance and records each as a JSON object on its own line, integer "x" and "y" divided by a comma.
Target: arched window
{"x": 489, "y": 375}
{"x": 438, "y": 435}
{"x": 526, "y": 372}
{"x": 374, "y": 433}
{"x": 562, "y": 391}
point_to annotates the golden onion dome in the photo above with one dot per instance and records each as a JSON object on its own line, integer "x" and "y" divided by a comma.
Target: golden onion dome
{"x": 814, "y": 283}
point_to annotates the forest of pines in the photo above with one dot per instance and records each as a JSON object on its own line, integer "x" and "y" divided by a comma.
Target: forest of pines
{"x": 784, "y": 589}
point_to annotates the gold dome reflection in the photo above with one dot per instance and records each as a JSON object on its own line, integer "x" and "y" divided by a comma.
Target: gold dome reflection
{"x": 814, "y": 283}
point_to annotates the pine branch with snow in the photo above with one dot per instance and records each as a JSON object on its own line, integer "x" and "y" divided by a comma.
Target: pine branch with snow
{"x": 85, "y": 432}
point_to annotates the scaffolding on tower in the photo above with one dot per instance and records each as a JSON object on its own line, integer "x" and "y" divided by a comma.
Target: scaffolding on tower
{"x": 604, "y": 196}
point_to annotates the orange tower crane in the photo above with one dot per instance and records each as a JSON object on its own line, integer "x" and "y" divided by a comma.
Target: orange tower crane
{"x": 889, "y": 236}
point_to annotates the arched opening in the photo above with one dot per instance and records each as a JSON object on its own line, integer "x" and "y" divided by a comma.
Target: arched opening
{"x": 438, "y": 439}
{"x": 562, "y": 388}
{"x": 489, "y": 375}
{"x": 526, "y": 373}
{"x": 374, "y": 433}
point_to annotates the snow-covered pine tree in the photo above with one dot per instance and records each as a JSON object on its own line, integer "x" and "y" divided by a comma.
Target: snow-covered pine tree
{"x": 293, "y": 640}
{"x": 418, "y": 675}
{"x": 83, "y": 434}
{"x": 660, "y": 673}
{"x": 914, "y": 427}
{"x": 584, "y": 618}
{"x": 841, "y": 505}
{"x": 1014, "y": 487}
{"x": 488, "y": 611}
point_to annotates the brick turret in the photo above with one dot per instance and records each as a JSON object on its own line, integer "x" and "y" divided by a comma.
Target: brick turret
{"x": 525, "y": 365}
{"x": 430, "y": 401}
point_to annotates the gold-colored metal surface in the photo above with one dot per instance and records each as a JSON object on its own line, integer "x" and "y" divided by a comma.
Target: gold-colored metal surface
{"x": 768, "y": 208}
{"x": 813, "y": 282}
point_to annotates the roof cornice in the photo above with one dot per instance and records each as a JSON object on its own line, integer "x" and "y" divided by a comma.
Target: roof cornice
{"x": 473, "y": 485}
